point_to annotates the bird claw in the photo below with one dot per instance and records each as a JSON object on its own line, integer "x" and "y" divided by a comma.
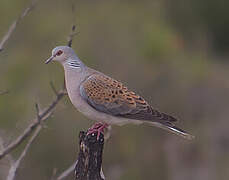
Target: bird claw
{"x": 97, "y": 128}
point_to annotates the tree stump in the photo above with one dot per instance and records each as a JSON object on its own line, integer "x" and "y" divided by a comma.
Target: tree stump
{"x": 89, "y": 164}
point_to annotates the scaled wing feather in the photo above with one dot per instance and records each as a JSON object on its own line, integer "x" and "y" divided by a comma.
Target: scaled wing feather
{"x": 112, "y": 97}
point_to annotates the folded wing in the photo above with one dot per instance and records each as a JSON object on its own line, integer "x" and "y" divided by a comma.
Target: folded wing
{"x": 112, "y": 97}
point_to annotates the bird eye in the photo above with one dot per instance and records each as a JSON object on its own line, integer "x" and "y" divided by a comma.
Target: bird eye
{"x": 59, "y": 53}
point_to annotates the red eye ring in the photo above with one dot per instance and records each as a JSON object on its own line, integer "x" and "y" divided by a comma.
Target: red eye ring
{"x": 59, "y": 53}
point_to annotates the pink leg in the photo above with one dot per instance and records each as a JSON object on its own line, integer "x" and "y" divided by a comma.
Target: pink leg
{"x": 97, "y": 127}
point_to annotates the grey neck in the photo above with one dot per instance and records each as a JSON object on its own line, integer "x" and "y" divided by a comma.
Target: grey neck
{"x": 75, "y": 72}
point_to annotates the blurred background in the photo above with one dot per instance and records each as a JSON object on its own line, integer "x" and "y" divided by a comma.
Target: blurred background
{"x": 174, "y": 53}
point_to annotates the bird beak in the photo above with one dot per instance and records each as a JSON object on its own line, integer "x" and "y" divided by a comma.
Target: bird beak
{"x": 49, "y": 60}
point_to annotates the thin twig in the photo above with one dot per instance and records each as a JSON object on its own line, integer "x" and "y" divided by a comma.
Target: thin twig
{"x": 70, "y": 39}
{"x": 15, "y": 23}
{"x": 38, "y": 112}
{"x": 9, "y": 157}
{"x": 71, "y": 35}
{"x": 43, "y": 117}
{"x": 14, "y": 167}
{"x": 53, "y": 88}
{"x": 67, "y": 171}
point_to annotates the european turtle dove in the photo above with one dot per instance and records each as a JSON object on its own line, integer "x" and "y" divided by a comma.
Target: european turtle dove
{"x": 106, "y": 100}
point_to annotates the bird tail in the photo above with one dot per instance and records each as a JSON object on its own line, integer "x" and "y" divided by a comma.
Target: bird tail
{"x": 173, "y": 129}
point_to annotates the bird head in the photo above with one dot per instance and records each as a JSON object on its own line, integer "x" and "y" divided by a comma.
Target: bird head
{"x": 61, "y": 54}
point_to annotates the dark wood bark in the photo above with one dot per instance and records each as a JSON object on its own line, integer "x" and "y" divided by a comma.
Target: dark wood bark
{"x": 89, "y": 165}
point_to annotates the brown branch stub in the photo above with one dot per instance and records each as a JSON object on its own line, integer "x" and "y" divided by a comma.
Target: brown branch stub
{"x": 89, "y": 165}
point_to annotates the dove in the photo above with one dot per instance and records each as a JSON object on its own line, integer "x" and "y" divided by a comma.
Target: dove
{"x": 106, "y": 100}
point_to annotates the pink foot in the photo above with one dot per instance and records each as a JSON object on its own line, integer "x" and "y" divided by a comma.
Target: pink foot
{"x": 97, "y": 127}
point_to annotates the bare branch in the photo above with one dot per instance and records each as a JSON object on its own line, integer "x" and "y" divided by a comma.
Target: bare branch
{"x": 14, "y": 167}
{"x": 43, "y": 117}
{"x": 15, "y": 23}
{"x": 67, "y": 171}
